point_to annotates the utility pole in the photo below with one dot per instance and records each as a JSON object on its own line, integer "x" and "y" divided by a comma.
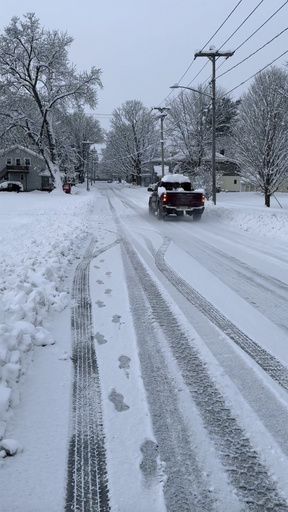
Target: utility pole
{"x": 162, "y": 111}
{"x": 86, "y": 148}
{"x": 212, "y": 55}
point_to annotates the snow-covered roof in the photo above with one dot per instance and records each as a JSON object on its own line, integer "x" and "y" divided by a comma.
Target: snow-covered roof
{"x": 18, "y": 146}
{"x": 175, "y": 178}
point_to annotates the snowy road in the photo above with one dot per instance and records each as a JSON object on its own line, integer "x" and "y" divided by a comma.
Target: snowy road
{"x": 174, "y": 350}
{"x": 200, "y": 359}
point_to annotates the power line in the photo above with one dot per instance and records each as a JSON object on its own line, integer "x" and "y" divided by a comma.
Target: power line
{"x": 247, "y": 39}
{"x": 259, "y": 28}
{"x": 230, "y": 14}
{"x": 222, "y": 25}
{"x": 255, "y": 32}
{"x": 98, "y": 114}
{"x": 239, "y": 26}
{"x": 257, "y": 73}
{"x": 216, "y": 32}
{"x": 254, "y": 53}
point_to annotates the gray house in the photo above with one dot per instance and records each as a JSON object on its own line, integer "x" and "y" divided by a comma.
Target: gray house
{"x": 18, "y": 163}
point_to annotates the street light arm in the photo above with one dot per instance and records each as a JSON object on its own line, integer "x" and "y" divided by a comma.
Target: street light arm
{"x": 190, "y": 89}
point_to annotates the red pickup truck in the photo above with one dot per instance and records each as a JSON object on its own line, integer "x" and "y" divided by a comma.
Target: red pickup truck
{"x": 173, "y": 195}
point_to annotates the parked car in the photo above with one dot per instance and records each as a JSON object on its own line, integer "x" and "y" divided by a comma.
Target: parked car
{"x": 11, "y": 186}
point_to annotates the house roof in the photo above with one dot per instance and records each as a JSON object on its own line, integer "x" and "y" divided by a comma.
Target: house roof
{"x": 23, "y": 148}
{"x": 181, "y": 157}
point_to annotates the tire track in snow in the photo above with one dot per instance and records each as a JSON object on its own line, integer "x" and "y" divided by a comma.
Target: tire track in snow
{"x": 250, "y": 478}
{"x": 87, "y": 485}
{"x": 269, "y": 363}
{"x": 242, "y": 463}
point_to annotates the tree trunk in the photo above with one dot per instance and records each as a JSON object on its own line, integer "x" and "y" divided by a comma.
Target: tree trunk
{"x": 267, "y": 199}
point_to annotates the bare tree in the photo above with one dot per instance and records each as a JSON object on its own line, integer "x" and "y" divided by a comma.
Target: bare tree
{"x": 38, "y": 82}
{"x": 189, "y": 128}
{"x": 261, "y": 135}
{"x": 131, "y": 141}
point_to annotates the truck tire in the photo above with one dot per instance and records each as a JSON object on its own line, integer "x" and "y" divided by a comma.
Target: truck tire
{"x": 197, "y": 216}
{"x": 159, "y": 214}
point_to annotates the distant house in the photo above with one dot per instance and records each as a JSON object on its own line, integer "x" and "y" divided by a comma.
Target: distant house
{"x": 152, "y": 170}
{"x": 250, "y": 186}
{"x": 230, "y": 180}
{"x": 227, "y": 169}
{"x": 18, "y": 163}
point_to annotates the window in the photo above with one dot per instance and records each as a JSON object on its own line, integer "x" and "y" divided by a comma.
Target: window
{"x": 18, "y": 161}
{"x": 27, "y": 161}
{"x": 235, "y": 182}
{"x": 9, "y": 161}
{"x": 21, "y": 177}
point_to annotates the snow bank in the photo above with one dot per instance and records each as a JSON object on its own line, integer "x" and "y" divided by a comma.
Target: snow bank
{"x": 245, "y": 211}
{"x": 41, "y": 236}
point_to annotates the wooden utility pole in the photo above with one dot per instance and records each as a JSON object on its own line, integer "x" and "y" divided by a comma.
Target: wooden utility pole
{"x": 212, "y": 55}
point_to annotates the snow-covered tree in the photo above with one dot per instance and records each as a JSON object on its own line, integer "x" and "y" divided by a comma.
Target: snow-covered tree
{"x": 189, "y": 129}
{"x": 76, "y": 127}
{"x": 37, "y": 84}
{"x": 261, "y": 135}
{"x": 131, "y": 141}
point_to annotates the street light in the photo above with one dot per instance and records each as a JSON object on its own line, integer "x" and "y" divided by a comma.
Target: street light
{"x": 162, "y": 111}
{"x": 213, "y": 156}
{"x": 176, "y": 86}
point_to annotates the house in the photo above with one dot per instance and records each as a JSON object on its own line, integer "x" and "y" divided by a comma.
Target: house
{"x": 18, "y": 163}
{"x": 152, "y": 170}
{"x": 227, "y": 169}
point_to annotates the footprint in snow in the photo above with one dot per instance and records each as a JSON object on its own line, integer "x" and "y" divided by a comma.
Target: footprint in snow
{"x": 99, "y": 281}
{"x": 118, "y": 400}
{"x": 100, "y": 304}
{"x": 100, "y": 338}
{"x": 149, "y": 464}
{"x": 108, "y": 291}
{"x": 116, "y": 319}
{"x": 108, "y": 273}
{"x": 124, "y": 364}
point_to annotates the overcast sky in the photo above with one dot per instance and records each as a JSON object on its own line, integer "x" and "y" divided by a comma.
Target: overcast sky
{"x": 145, "y": 46}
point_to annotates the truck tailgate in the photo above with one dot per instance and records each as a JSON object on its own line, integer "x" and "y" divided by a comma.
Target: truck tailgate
{"x": 188, "y": 199}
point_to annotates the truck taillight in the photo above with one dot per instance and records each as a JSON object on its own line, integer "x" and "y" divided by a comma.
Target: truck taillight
{"x": 164, "y": 198}
{"x": 203, "y": 198}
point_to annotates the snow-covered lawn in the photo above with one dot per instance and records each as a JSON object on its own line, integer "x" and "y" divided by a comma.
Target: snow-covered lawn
{"x": 42, "y": 238}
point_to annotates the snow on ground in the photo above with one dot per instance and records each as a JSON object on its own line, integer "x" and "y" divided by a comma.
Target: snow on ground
{"x": 42, "y": 237}
{"x": 246, "y": 211}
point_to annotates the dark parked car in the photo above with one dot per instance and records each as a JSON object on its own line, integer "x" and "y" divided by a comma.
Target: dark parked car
{"x": 11, "y": 186}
